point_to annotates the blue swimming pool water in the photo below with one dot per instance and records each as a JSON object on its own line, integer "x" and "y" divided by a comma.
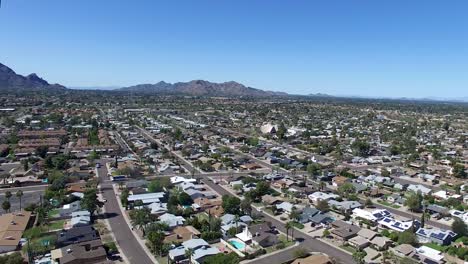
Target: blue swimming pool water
{"x": 237, "y": 244}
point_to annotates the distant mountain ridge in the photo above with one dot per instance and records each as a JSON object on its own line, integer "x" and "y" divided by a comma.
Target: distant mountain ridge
{"x": 200, "y": 88}
{"x": 11, "y": 81}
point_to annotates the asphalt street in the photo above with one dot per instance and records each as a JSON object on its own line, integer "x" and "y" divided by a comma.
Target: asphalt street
{"x": 31, "y": 194}
{"x": 124, "y": 236}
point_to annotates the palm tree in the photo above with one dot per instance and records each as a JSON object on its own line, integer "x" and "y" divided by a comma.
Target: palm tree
{"x": 236, "y": 219}
{"x": 8, "y": 195}
{"x": 288, "y": 226}
{"x": 292, "y": 230}
{"x": 6, "y": 206}
{"x": 19, "y": 194}
{"x": 189, "y": 252}
{"x": 322, "y": 185}
{"x": 140, "y": 218}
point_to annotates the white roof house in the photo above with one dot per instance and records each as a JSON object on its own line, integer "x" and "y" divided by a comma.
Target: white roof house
{"x": 419, "y": 188}
{"x": 178, "y": 179}
{"x": 146, "y": 198}
{"x": 172, "y": 220}
{"x": 320, "y": 196}
{"x": 245, "y": 236}
{"x": 396, "y": 225}
{"x": 430, "y": 253}
{"x": 443, "y": 195}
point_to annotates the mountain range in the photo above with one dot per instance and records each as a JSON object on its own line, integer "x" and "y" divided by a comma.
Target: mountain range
{"x": 200, "y": 88}
{"x": 11, "y": 81}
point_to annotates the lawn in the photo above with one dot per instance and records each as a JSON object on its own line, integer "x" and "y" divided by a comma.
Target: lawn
{"x": 53, "y": 212}
{"x": 349, "y": 249}
{"x": 297, "y": 225}
{"x": 162, "y": 260}
{"x": 282, "y": 239}
{"x": 56, "y": 225}
{"x": 436, "y": 246}
{"x": 388, "y": 204}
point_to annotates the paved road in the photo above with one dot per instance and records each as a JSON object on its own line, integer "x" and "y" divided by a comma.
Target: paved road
{"x": 124, "y": 236}
{"x": 31, "y": 194}
{"x": 308, "y": 243}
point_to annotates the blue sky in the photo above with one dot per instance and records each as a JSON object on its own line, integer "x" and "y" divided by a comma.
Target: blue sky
{"x": 370, "y": 48}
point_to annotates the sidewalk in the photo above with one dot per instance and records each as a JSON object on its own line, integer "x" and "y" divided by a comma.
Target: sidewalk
{"x": 127, "y": 220}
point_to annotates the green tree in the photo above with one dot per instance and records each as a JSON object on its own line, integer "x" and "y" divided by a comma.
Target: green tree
{"x": 8, "y": 195}
{"x": 185, "y": 199}
{"x": 407, "y": 237}
{"x": 90, "y": 201}
{"x": 140, "y": 218}
{"x": 300, "y": 253}
{"x": 6, "y": 206}
{"x": 325, "y": 233}
{"x": 459, "y": 171}
{"x": 246, "y": 206}
{"x": 359, "y": 256}
{"x": 281, "y": 132}
{"x": 41, "y": 151}
{"x": 346, "y": 189}
{"x": 360, "y": 148}
{"x": 294, "y": 215}
{"x": 323, "y": 206}
{"x": 230, "y": 258}
{"x": 313, "y": 169}
{"x": 156, "y": 241}
{"x": 414, "y": 201}
{"x": 189, "y": 252}
{"x": 459, "y": 227}
{"x": 231, "y": 204}
{"x": 124, "y": 197}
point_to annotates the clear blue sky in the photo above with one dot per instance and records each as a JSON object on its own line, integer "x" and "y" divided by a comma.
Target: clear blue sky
{"x": 349, "y": 47}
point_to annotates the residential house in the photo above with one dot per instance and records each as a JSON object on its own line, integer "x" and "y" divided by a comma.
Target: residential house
{"x": 426, "y": 254}
{"x": 434, "y": 235}
{"x": 419, "y": 188}
{"x": 88, "y": 252}
{"x": 313, "y": 259}
{"x": 343, "y": 230}
{"x": 76, "y": 235}
{"x": 321, "y": 196}
{"x": 171, "y": 220}
{"x": 344, "y": 206}
{"x": 68, "y": 209}
{"x": 271, "y": 200}
{"x": 181, "y": 234}
{"x": 200, "y": 248}
{"x": 12, "y": 226}
{"x": 381, "y": 243}
{"x": 403, "y": 250}
{"x": 339, "y": 180}
{"x": 260, "y": 234}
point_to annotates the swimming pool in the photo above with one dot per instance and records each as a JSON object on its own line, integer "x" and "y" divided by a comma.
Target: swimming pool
{"x": 237, "y": 244}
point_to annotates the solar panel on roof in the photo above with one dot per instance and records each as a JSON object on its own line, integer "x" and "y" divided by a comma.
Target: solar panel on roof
{"x": 421, "y": 232}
